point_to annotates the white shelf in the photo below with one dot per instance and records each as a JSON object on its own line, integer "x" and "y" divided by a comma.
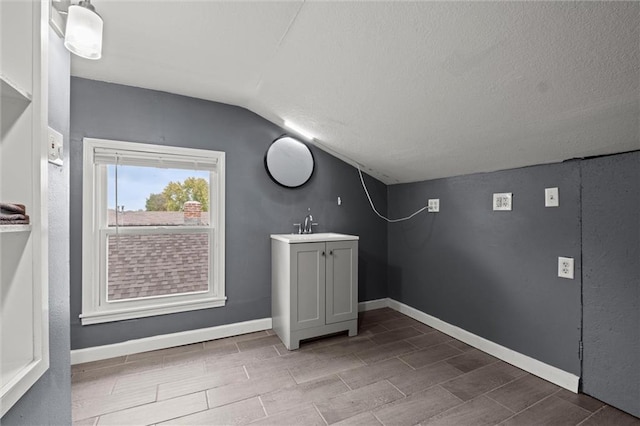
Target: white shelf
{"x": 24, "y": 331}
{"x": 12, "y": 90}
{"x": 15, "y": 228}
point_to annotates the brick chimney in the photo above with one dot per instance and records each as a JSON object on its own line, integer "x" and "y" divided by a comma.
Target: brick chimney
{"x": 192, "y": 213}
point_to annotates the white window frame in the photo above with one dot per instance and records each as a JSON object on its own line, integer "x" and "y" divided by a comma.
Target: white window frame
{"x": 95, "y": 306}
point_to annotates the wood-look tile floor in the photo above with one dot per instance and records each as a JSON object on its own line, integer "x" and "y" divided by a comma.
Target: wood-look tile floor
{"x": 397, "y": 371}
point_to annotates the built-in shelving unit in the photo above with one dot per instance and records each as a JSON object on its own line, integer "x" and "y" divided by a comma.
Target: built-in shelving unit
{"x": 8, "y": 89}
{"x": 24, "y": 330}
{"x": 14, "y": 228}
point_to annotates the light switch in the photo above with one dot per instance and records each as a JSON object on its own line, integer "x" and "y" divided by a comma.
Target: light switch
{"x": 551, "y": 197}
{"x": 54, "y": 141}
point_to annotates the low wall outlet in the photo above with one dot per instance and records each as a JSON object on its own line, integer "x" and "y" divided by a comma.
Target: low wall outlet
{"x": 502, "y": 201}
{"x": 551, "y": 197}
{"x": 565, "y": 267}
{"x": 433, "y": 205}
{"x": 54, "y": 140}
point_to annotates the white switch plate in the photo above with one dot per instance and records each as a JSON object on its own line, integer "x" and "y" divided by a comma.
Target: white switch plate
{"x": 551, "y": 197}
{"x": 54, "y": 141}
{"x": 434, "y": 205}
{"x": 565, "y": 267}
{"x": 502, "y": 201}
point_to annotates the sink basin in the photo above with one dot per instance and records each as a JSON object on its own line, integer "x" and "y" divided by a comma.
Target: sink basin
{"x": 310, "y": 238}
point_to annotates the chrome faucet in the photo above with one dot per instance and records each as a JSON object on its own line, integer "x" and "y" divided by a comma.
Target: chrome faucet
{"x": 308, "y": 223}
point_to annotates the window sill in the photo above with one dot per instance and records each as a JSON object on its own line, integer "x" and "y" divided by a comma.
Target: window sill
{"x": 99, "y": 317}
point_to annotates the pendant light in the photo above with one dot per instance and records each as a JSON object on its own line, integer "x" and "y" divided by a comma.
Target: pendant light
{"x": 83, "y": 34}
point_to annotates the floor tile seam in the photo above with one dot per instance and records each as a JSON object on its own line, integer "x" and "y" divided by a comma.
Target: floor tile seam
{"x": 319, "y": 413}
{"x": 264, "y": 409}
{"x": 78, "y": 366}
{"x": 404, "y": 395}
{"x": 253, "y": 395}
{"x": 592, "y": 414}
{"x": 184, "y": 415}
{"x": 100, "y": 414}
{"x": 502, "y": 385}
{"x": 246, "y": 372}
{"x": 520, "y": 411}
{"x": 135, "y": 388}
{"x": 435, "y": 362}
{"x": 466, "y": 373}
{"x": 406, "y": 363}
{"x": 443, "y": 413}
{"x": 539, "y": 402}
{"x": 118, "y": 375}
{"x": 192, "y": 392}
{"x": 377, "y": 418}
{"x": 345, "y": 383}
{"x": 499, "y": 403}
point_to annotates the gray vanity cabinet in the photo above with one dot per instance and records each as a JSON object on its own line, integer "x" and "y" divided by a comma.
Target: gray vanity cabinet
{"x": 314, "y": 288}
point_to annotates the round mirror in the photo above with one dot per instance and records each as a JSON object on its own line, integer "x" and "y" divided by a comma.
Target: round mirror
{"x": 289, "y": 162}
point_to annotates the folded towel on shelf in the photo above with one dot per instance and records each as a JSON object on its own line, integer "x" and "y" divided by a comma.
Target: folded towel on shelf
{"x": 14, "y": 219}
{"x": 12, "y": 208}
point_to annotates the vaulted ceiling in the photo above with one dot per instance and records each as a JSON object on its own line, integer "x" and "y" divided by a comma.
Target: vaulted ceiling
{"x": 410, "y": 90}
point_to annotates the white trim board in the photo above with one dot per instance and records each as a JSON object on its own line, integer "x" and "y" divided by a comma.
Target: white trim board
{"x": 548, "y": 372}
{"x": 96, "y": 353}
{"x": 370, "y": 305}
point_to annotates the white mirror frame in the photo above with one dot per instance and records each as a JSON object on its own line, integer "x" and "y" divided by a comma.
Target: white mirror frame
{"x": 289, "y": 162}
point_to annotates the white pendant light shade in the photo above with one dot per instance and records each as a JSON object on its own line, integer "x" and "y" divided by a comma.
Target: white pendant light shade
{"x": 83, "y": 35}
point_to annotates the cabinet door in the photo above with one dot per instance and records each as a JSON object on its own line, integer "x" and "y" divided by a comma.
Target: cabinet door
{"x": 342, "y": 281}
{"x": 308, "y": 263}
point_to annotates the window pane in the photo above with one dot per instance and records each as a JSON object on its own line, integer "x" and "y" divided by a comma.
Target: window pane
{"x": 153, "y": 196}
{"x": 157, "y": 265}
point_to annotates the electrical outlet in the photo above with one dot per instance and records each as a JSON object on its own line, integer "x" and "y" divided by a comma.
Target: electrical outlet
{"x": 565, "y": 267}
{"x": 551, "y": 197}
{"x": 502, "y": 201}
{"x": 54, "y": 141}
{"x": 433, "y": 205}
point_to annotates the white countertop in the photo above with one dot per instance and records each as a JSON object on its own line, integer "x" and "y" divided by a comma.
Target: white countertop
{"x": 313, "y": 238}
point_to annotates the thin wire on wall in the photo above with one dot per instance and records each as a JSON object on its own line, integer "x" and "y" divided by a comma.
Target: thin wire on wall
{"x": 366, "y": 191}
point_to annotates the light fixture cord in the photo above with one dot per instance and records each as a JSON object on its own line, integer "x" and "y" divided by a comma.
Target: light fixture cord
{"x": 366, "y": 191}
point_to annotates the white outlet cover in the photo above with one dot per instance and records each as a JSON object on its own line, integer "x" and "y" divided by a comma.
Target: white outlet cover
{"x": 565, "y": 267}
{"x": 551, "y": 197}
{"x": 55, "y": 141}
{"x": 434, "y": 205}
{"x": 502, "y": 201}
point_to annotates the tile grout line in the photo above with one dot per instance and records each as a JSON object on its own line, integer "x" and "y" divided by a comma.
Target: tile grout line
{"x": 345, "y": 383}
{"x": 376, "y": 417}
{"x": 395, "y": 387}
{"x": 246, "y": 372}
{"x": 263, "y": 407}
{"x": 592, "y": 414}
{"x": 319, "y": 413}
{"x": 406, "y": 363}
{"x": 532, "y": 405}
{"x": 498, "y": 402}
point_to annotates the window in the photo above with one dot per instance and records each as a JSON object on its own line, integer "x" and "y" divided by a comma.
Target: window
{"x": 153, "y": 230}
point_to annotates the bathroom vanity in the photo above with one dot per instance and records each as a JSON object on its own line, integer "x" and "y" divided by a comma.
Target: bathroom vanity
{"x": 314, "y": 285}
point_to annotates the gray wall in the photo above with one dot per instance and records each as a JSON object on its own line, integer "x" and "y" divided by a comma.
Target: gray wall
{"x": 611, "y": 294}
{"x": 255, "y": 205}
{"x": 494, "y": 273}
{"x": 49, "y": 400}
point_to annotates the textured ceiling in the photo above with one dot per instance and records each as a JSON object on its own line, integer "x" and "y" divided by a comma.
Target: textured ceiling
{"x": 410, "y": 90}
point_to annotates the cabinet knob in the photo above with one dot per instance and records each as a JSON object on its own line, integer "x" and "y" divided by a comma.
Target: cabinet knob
{"x": 323, "y": 253}
{"x": 330, "y": 252}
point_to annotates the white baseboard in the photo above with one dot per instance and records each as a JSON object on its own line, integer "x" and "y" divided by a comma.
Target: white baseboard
{"x": 552, "y": 374}
{"x": 373, "y": 304}
{"x": 548, "y": 372}
{"x": 79, "y": 356}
